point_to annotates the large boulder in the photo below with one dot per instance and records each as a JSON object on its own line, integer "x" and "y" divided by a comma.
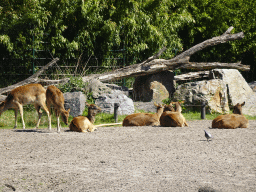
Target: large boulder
{"x": 155, "y": 87}
{"x": 250, "y": 105}
{"x": 225, "y": 87}
{"x": 98, "y": 88}
{"x": 106, "y": 103}
{"x": 213, "y": 92}
{"x": 75, "y": 101}
{"x": 238, "y": 88}
{"x": 146, "y": 107}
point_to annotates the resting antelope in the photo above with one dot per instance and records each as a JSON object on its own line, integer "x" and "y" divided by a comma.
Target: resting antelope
{"x": 23, "y": 95}
{"x": 85, "y": 124}
{"x": 144, "y": 119}
{"x": 231, "y": 121}
{"x": 173, "y": 118}
{"x": 55, "y": 98}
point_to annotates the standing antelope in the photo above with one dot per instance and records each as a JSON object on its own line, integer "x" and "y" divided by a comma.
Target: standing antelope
{"x": 144, "y": 119}
{"x": 173, "y": 118}
{"x": 85, "y": 124}
{"x": 23, "y": 95}
{"x": 55, "y": 98}
{"x": 231, "y": 121}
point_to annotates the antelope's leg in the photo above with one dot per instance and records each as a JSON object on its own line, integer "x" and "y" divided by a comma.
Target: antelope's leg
{"x": 21, "y": 114}
{"x": 39, "y": 115}
{"x": 48, "y": 114}
{"x": 16, "y": 118}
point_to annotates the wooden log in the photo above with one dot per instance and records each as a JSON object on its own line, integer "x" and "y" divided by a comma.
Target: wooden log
{"x": 153, "y": 65}
{"x": 32, "y": 79}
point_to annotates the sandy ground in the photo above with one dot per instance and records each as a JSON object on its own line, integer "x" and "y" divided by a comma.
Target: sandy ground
{"x": 129, "y": 159}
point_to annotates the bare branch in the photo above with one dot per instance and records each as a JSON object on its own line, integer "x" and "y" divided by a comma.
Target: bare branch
{"x": 155, "y": 56}
{"x": 31, "y": 79}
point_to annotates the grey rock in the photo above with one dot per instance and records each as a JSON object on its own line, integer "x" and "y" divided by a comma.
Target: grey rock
{"x": 238, "y": 88}
{"x": 98, "y": 88}
{"x": 253, "y": 85}
{"x": 250, "y": 105}
{"x": 75, "y": 101}
{"x": 213, "y": 92}
{"x": 106, "y": 103}
{"x": 145, "y": 106}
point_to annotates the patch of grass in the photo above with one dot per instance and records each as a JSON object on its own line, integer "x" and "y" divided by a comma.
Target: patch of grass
{"x": 197, "y": 116}
{"x": 250, "y": 117}
{"x": 7, "y": 119}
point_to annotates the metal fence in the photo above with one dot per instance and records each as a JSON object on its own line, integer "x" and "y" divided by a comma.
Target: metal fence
{"x": 15, "y": 70}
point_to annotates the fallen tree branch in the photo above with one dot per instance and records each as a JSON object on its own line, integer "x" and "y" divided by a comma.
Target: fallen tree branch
{"x": 159, "y": 65}
{"x": 32, "y": 79}
{"x": 151, "y": 65}
{"x": 155, "y": 56}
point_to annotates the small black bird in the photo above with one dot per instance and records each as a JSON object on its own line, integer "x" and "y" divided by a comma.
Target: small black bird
{"x": 207, "y": 135}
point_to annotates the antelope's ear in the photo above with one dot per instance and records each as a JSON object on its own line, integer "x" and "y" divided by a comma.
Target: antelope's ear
{"x": 181, "y": 101}
{"x": 68, "y": 110}
{"x": 243, "y": 103}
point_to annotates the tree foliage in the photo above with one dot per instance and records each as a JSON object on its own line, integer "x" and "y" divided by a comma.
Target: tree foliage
{"x": 142, "y": 27}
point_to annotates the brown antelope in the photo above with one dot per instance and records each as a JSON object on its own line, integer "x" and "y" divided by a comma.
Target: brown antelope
{"x": 173, "y": 118}
{"x": 55, "y": 98}
{"x": 231, "y": 121}
{"x": 23, "y": 95}
{"x": 85, "y": 124}
{"x": 144, "y": 119}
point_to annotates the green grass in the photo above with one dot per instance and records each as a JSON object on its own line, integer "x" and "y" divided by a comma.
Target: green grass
{"x": 7, "y": 118}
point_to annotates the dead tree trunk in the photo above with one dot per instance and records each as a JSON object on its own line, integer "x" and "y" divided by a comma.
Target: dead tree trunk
{"x": 153, "y": 65}
{"x": 32, "y": 79}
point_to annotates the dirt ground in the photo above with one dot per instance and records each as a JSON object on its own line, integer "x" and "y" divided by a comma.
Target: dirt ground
{"x": 129, "y": 159}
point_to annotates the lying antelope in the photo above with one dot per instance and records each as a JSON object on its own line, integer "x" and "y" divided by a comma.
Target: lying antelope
{"x": 85, "y": 124}
{"x": 55, "y": 98}
{"x": 231, "y": 121}
{"x": 23, "y": 95}
{"x": 173, "y": 118}
{"x": 144, "y": 119}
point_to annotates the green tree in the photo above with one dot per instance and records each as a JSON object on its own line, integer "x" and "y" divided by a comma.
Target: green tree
{"x": 212, "y": 18}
